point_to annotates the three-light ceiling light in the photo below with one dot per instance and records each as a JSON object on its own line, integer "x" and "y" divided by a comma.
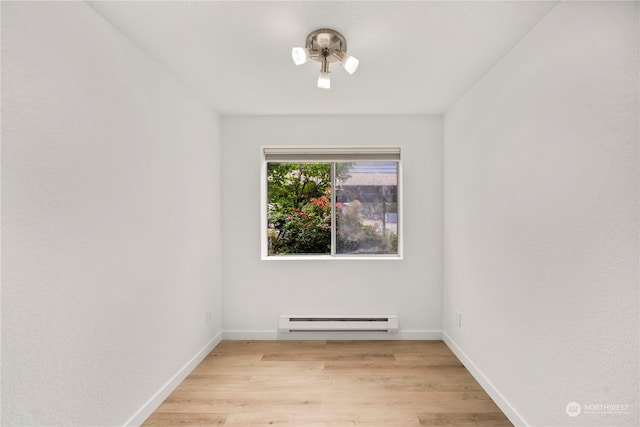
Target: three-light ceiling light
{"x": 325, "y": 46}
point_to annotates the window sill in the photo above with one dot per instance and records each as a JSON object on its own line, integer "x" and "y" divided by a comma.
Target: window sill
{"x": 332, "y": 258}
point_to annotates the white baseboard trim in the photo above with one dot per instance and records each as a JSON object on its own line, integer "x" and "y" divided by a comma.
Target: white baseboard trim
{"x": 275, "y": 335}
{"x": 486, "y": 384}
{"x": 250, "y": 335}
{"x": 419, "y": 335}
{"x": 152, "y": 404}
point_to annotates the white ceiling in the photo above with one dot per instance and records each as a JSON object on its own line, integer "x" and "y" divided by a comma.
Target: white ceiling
{"x": 416, "y": 57}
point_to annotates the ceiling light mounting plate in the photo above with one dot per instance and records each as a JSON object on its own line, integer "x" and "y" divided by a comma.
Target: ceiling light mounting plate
{"x": 324, "y": 42}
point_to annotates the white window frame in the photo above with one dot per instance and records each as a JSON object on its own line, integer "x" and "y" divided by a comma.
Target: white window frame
{"x": 327, "y": 154}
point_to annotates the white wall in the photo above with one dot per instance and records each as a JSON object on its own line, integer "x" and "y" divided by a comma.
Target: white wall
{"x": 256, "y": 292}
{"x": 110, "y": 220}
{"x": 541, "y": 219}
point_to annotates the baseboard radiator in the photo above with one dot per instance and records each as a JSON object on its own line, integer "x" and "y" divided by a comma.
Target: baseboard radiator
{"x": 388, "y": 323}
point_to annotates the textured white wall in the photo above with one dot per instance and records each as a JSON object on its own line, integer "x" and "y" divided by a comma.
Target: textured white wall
{"x": 110, "y": 220}
{"x": 256, "y": 292}
{"x": 541, "y": 218}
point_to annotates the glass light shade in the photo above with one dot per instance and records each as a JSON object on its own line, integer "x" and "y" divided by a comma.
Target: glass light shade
{"x": 300, "y": 55}
{"x": 350, "y": 64}
{"x": 323, "y": 81}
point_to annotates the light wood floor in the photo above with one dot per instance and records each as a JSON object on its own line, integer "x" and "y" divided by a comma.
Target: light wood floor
{"x": 330, "y": 384}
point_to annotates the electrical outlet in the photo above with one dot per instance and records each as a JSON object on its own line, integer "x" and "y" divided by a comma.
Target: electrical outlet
{"x": 208, "y": 317}
{"x": 458, "y": 319}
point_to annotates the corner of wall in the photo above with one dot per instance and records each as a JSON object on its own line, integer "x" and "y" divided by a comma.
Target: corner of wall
{"x": 156, "y": 400}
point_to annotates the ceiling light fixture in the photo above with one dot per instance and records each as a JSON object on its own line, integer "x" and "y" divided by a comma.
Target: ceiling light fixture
{"x": 325, "y": 46}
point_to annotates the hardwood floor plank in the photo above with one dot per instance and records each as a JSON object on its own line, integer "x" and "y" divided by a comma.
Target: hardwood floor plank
{"x": 464, "y": 419}
{"x": 321, "y": 420}
{"x": 327, "y": 356}
{"x": 388, "y": 368}
{"x": 212, "y": 403}
{"x": 241, "y": 367}
{"x": 184, "y": 420}
{"x": 237, "y": 348}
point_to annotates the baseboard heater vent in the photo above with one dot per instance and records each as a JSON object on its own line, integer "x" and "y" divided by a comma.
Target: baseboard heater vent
{"x": 387, "y": 324}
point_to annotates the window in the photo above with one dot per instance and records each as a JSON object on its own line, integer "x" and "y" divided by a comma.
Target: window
{"x": 341, "y": 202}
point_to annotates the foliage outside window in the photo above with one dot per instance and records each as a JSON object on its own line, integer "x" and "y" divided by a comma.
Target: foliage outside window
{"x": 339, "y": 208}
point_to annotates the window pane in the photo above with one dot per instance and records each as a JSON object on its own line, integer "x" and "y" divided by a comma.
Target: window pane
{"x": 367, "y": 208}
{"x": 299, "y": 208}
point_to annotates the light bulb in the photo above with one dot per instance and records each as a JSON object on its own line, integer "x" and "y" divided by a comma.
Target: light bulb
{"x": 350, "y": 64}
{"x": 323, "y": 81}
{"x": 300, "y": 55}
